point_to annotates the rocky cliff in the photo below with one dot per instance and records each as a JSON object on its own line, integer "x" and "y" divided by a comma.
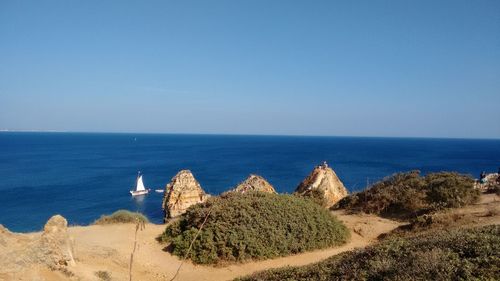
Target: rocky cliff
{"x": 53, "y": 248}
{"x": 182, "y": 191}
{"x": 254, "y": 183}
{"x": 323, "y": 184}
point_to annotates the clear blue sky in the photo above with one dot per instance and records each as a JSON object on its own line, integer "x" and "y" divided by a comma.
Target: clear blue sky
{"x": 357, "y": 68}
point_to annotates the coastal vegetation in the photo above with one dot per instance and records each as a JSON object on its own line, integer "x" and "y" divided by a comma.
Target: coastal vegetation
{"x": 484, "y": 213}
{"x": 122, "y": 216}
{"x": 252, "y": 226}
{"x": 439, "y": 221}
{"x": 459, "y": 254}
{"x": 495, "y": 189}
{"x": 409, "y": 195}
{"x": 316, "y": 196}
{"x": 103, "y": 275}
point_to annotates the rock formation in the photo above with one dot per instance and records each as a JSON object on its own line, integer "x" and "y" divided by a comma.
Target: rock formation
{"x": 52, "y": 248}
{"x": 323, "y": 182}
{"x": 490, "y": 183}
{"x": 56, "y": 242}
{"x": 182, "y": 192}
{"x": 254, "y": 183}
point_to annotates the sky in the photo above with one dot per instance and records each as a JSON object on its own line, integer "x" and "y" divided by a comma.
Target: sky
{"x": 426, "y": 68}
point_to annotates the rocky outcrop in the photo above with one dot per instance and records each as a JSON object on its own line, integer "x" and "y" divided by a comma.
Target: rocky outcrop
{"x": 254, "y": 183}
{"x": 182, "y": 191}
{"x": 55, "y": 242}
{"x": 323, "y": 183}
{"x": 52, "y": 248}
{"x": 491, "y": 182}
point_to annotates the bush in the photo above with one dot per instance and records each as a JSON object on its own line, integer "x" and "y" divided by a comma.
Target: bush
{"x": 407, "y": 195}
{"x": 122, "y": 216}
{"x": 451, "y": 190}
{"x": 432, "y": 222}
{"x": 253, "y": 225}
{"x": 315, "y": 195}
{"x": 460, "y": 254}
{"x": 401, "y": 194}
{"x": 495, "y": 188}
{"x": 103, "y": 275}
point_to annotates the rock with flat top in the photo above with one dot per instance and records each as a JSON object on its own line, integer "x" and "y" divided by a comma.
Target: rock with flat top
{"x": 323, "y": 183}
{"x": 182, "y": 192}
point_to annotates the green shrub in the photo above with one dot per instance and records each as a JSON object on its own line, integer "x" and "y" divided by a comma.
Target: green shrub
{"x": 315, "y": 195}
{"x": 451, "y": 190}
{"x": 401, "y": 194}
{"x": 122, "y": 216}
{"x": 253, "y": 225}
{"x": 433, "y": 221}
{"x": 460, "y": 254}
{"x": 407, "y": 195}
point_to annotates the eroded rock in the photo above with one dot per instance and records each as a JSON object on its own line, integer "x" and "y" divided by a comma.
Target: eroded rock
{"x": 254, "y": 183}
{"x": 182, "y": 191}
{"x": 56, "y": 243}
{"x": 323, "y": 183}
{"x": 52, "y": 248}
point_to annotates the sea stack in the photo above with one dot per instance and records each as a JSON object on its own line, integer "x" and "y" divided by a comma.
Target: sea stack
{"x": 254, "y": 183}
{"x": 182, "y": 191}
{"x": 323, "y": 182}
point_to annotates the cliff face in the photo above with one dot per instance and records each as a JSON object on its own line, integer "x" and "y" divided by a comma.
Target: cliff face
{"x": 254, "y": 183}
{"x": 323, "y": 182}
{"x": 182, "y": 191}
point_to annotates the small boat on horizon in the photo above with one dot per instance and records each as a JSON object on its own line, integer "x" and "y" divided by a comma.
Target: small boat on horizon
{"x": 159, "y": 190}
{"x": 139, "y": 187}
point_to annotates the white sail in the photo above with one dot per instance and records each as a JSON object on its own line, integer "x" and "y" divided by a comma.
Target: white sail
{"x": 140, "y": 184}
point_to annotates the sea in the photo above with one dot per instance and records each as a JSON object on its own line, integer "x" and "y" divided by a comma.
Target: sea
{"x": 85, "y": 175}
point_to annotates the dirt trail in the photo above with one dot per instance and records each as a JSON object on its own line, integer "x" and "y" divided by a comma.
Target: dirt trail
{"x": 108, "y": 248}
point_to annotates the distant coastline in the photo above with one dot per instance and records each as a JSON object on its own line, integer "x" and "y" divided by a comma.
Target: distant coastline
{"x": 246, "y": 135}
{"x": 32, "y": 131}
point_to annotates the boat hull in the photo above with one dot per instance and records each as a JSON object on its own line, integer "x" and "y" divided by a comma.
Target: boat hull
{"x": 137, "y": 193}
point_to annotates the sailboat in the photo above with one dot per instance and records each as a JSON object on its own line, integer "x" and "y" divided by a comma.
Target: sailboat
{"x": 139, "y": 187}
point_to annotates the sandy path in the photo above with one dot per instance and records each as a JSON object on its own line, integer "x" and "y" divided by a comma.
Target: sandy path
{"x": 108, "y": 248}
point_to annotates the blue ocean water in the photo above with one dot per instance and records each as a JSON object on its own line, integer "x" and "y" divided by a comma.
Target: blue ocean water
{"x": 83, "y": 175}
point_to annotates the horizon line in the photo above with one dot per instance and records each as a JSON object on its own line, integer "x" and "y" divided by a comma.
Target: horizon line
{"x": 242, "y": 134}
